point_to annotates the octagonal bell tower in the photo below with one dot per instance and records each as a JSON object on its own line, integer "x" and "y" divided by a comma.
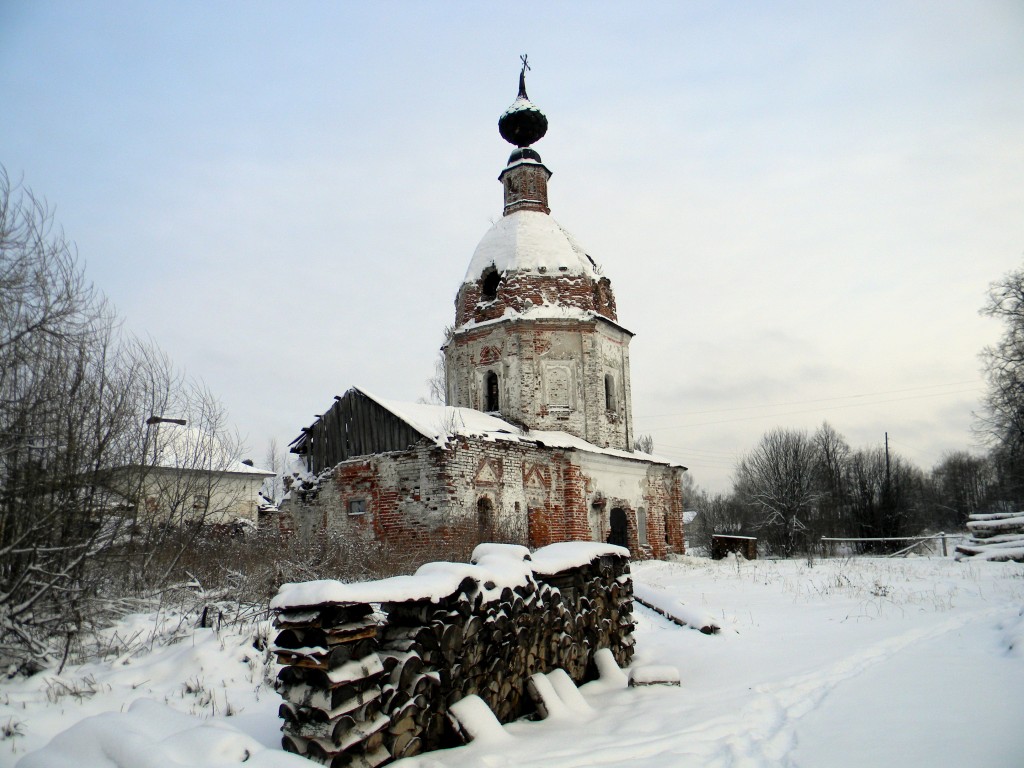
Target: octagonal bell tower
{"x": 537, "y": 338}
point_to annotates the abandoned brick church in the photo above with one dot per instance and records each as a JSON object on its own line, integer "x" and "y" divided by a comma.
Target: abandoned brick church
{"x": 535, "y": 444}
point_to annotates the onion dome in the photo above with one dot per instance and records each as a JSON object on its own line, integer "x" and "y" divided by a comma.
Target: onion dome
{"x": 522, "y": 123}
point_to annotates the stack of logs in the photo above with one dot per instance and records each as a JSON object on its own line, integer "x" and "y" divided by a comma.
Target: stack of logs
{"x": 331, "y": 684}
{"x": 994, "y": 536}
{"x": 361, "y": 687}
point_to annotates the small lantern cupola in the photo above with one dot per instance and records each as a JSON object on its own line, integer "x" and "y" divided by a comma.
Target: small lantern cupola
{"x": 525, "y": 178}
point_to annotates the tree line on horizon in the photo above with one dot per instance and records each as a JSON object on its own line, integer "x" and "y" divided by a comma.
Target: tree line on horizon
{"x": 795, "y": 487}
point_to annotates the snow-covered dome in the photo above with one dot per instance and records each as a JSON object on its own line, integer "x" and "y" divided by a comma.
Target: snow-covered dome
{"x": 526, "y": 263}
{"x": 530, "y": 241}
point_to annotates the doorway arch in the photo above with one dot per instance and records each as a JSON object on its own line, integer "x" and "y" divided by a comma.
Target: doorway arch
{"x": 618, "y": 533}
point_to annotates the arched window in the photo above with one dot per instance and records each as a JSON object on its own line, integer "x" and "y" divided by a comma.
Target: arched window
{"x": 491, "y": 402}
{"x": 641, "y": 527}
{"x": 484, "y": 517}
{"x": 609, "y": 392}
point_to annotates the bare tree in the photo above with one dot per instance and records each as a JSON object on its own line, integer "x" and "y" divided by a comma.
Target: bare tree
{"x": 963, "y": 485}
{"x": 887, "y": 498}
{"x": 644, "y": 444}
{"x": 716, "y": 513}
{"x": 61, "y": 425}
{"x": 273, "y": 488}
{"x": 777, "y": 481}
{"x": 1001, "y": 422}
{"x": 189, "y": 475}
{"x": 77, "y": 462}
{"x": 437, "y": 384}
{"x": 831, "y": 471}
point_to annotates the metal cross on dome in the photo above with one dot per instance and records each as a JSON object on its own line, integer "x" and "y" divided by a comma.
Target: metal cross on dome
{"x": 526, "y": 66}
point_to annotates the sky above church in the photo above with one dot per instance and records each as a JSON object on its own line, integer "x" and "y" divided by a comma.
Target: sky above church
{"x": 800, "y": 205}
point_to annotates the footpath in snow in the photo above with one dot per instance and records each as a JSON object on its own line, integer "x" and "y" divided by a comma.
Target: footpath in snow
{"x": 868, "y": 661}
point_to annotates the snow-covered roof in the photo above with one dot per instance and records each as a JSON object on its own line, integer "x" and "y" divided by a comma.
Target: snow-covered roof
{"x": 441, "y": 423}
{"x": 530, "y": 241}
{"x": 184, "y": 447}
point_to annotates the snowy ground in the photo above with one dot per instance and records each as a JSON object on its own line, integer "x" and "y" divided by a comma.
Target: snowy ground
{"x": 916, "y": 662}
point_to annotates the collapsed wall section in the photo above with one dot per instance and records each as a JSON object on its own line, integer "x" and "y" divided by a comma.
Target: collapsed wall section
{"x": 371, "y": 669}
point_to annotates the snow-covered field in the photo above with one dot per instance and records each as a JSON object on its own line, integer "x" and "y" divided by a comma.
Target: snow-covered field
{"x": 916, "y": 662}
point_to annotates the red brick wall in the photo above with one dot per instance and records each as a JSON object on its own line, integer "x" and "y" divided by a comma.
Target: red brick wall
{"x": 424, "y": 501}
{"x": 526, "y": 187}
{"x": 522, "y": 290}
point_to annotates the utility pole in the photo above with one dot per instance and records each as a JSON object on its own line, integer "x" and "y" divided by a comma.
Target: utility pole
{"x": 888, "y": 507}
{"x": 887, "y": 476}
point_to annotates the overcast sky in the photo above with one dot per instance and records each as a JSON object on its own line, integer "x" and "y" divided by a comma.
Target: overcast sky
{"x": 800, "y": 205}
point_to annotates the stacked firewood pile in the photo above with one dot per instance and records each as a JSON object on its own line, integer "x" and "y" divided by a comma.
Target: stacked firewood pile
{"x": 995, "y": 536}
{"x": 362, "y": 686}
{"x": 331, "y": 684}
{"x": 596, "y": 599}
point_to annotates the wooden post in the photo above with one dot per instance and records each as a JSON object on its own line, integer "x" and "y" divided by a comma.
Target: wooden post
{"x": 943, "y": 535}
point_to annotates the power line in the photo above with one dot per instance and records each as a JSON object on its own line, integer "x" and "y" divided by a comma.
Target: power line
{"x": 806, "y": 402}
{"x": 811, "y": 410}
{"x": 709, "y": 454}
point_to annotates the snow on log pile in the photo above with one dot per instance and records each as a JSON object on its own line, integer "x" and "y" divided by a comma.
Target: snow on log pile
{"x": 372, "y": 669}
{"x": 996, "y": 536}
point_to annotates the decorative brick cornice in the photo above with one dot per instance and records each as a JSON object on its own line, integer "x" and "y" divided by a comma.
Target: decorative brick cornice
{"x": 523, "y": 291}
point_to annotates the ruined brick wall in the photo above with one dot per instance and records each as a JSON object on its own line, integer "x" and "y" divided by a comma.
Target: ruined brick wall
{"x": 428, "y": 499}
{"x": 361, "y": 688}
{"x": 649, "y": 494}
{"x": 551, "y": 376}
{"x": 664, "y": 498}
{"x": 559, "y": 513}
{"x": 522, "y": 291}
{"x": 674, "y": 509}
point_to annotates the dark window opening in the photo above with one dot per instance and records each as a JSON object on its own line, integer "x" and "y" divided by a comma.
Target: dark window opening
{"x": 491, "y": 392}
{"x": 609, "y": 392}
{"x": 618, "y": 534}
{"x": 489, "y": 288}
{"x": 484, "y": 516}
